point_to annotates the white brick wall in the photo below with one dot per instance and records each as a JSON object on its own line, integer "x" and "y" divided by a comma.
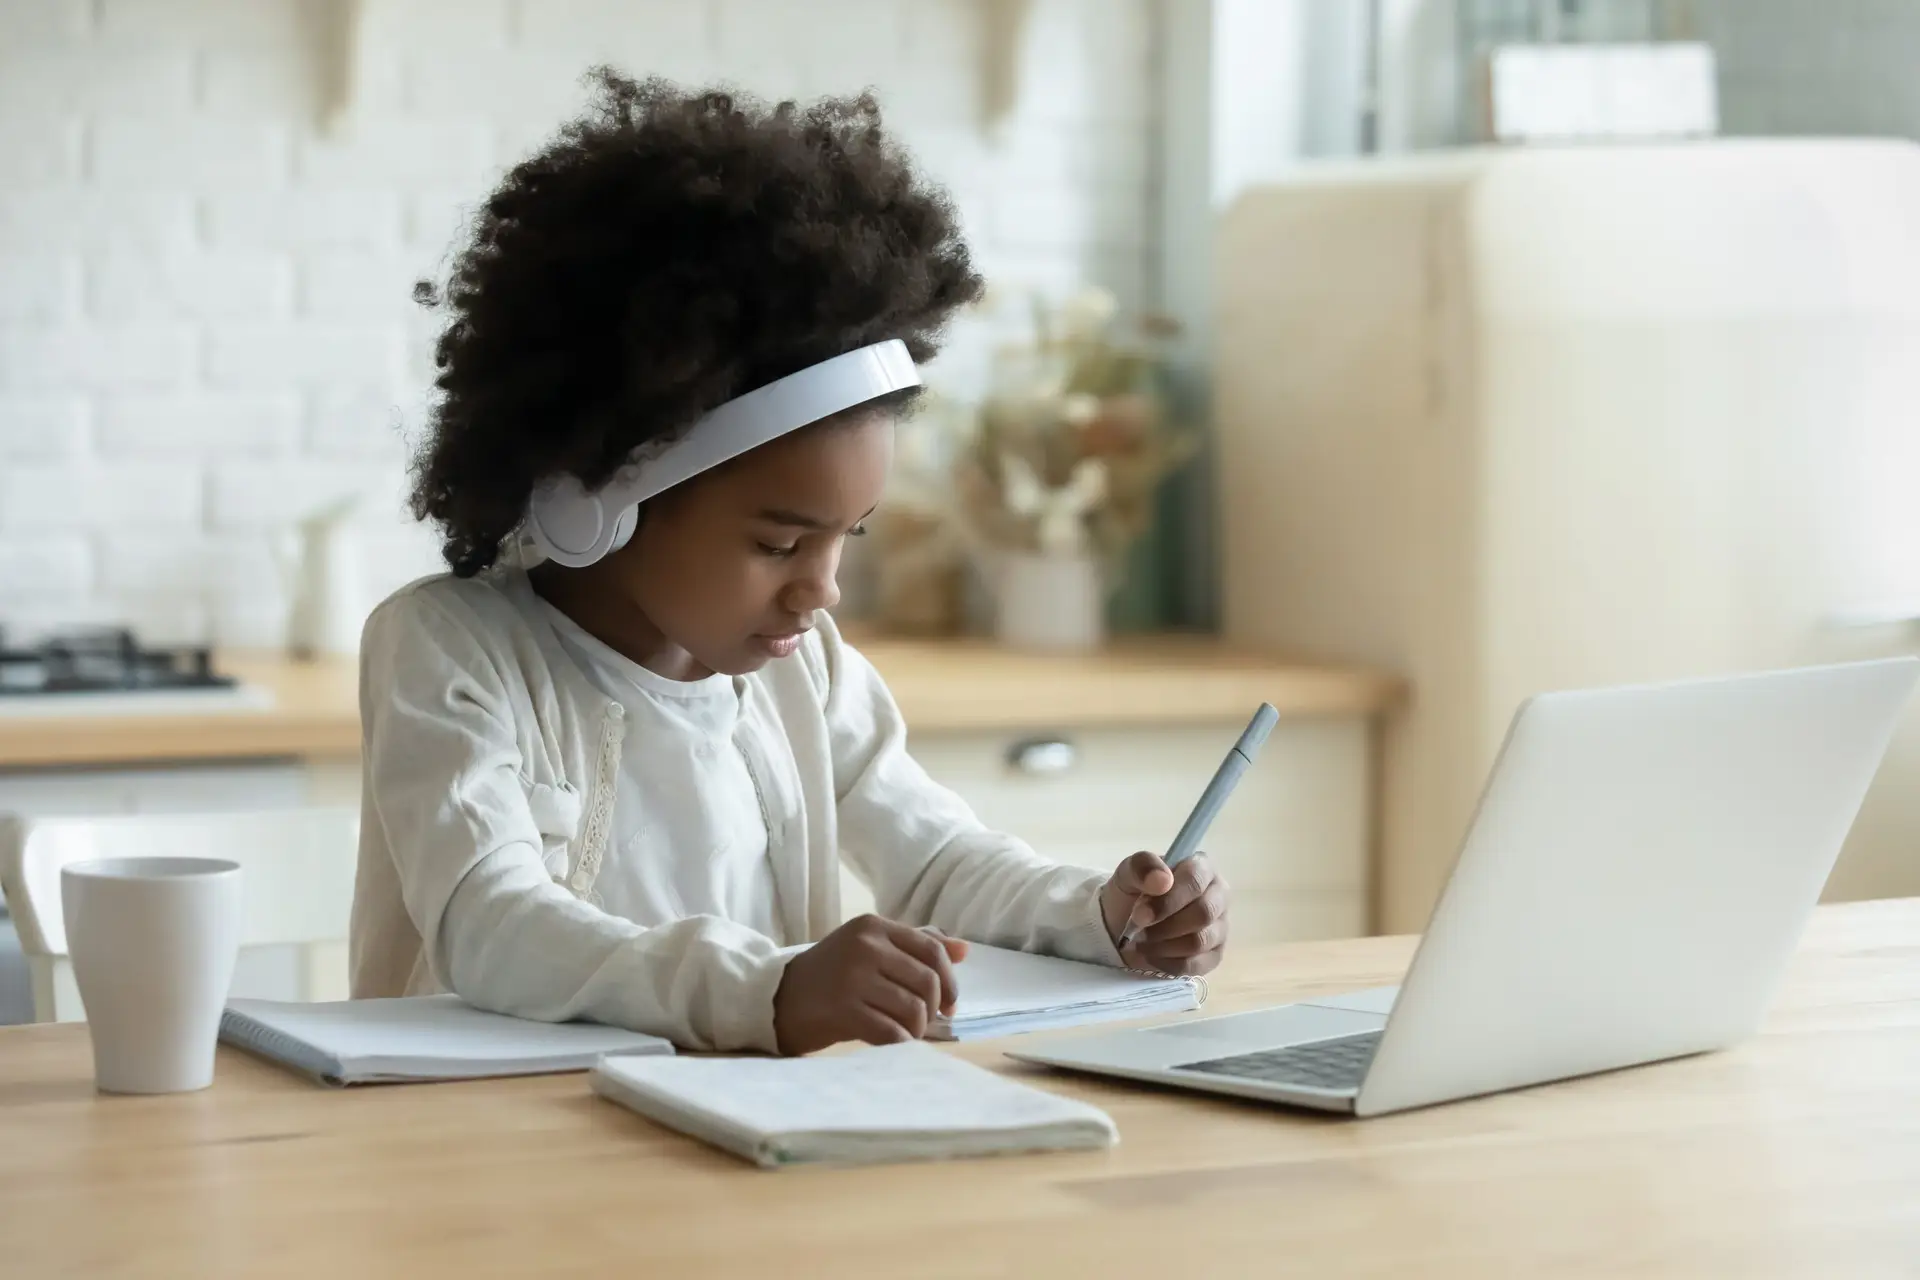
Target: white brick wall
{"x": 48, "y": 564}
{"x": 34, "y": 428}
{"x": 255, "y": 495}
{"x": 27, "y": 23}
{"x": 261, "y": 357}
{"x": 205, "y": 317}
{"x": 188, "y": 25}
{"x": 445, "y": 28}
{"x": 36, "y": 80}
{"x": 96, "y": 495}
{"x": 213, "y": 155}
{"x": 399, "y": 153}
{"x": 44, "y": 286}
{"x": 625, "y": 32}
{"x": 304, "y": 219}
{"x": 40, "y": 154}
{"x": 63, "y": 217}
{"x": 197, "y": 424}
{"x": 339, "y": 284}
{"x": 193, "y": 565}
{"x": 364, "y": 423}
{"x": 79, "y": 357}
{"x": 237, "y": 284}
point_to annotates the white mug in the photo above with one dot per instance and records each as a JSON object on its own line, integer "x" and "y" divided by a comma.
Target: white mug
{"x": 153, "y": 943}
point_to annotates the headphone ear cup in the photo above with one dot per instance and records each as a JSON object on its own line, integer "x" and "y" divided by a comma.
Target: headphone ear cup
{"x": 623, "y": 528}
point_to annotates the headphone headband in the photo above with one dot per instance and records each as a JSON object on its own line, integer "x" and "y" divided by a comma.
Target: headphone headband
{"x": 574, "y": 527}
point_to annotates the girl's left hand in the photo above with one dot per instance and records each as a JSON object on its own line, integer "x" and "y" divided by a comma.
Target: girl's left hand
{"x": 1180, "y": 914}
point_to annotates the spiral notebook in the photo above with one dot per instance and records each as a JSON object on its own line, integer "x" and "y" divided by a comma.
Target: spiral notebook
{"x": 418, "y": 1038}
{"x": 1003, "y": 993}
{"x": 901, "y": 1102}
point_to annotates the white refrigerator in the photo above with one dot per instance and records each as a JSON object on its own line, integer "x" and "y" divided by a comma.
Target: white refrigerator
{"x": 1512, "y": 420}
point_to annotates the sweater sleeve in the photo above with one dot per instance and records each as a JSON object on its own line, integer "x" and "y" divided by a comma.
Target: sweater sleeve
{"x": 445, "y": 776}
{"x": 927, "y": 858}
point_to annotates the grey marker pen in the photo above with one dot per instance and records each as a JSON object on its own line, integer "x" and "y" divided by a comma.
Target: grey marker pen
{"x": 1225, "y": 778}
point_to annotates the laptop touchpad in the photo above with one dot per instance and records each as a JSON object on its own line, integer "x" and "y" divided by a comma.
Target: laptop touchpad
{"x": 1273, "y": 1028}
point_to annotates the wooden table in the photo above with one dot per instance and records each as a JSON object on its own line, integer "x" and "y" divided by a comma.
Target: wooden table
{"x": 1795, "y": 1155}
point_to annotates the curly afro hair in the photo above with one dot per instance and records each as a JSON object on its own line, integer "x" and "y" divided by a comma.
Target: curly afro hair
{"x": 667, "y": 252}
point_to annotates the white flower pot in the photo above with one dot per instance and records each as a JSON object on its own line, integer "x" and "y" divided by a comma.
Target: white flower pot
{"x": 1049, "y": 602}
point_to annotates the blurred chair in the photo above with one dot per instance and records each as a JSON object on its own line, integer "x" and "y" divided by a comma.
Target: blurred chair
{"x": 297, "y": 869}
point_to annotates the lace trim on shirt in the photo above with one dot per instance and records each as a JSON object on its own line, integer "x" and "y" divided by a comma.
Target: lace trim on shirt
{"x": 766, "y": 818}
{"x": 600, "y": 813}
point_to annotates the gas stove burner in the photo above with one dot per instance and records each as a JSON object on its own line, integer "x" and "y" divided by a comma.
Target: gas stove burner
{"x": 104, "y": 660}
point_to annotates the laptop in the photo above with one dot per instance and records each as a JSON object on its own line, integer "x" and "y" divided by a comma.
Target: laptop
{"x": 1638, "y": 873}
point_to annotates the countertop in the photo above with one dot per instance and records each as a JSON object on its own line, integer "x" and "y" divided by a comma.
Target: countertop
{"x": 941, "y": 685}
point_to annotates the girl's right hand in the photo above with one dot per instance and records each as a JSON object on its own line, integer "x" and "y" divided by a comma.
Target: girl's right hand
{"x": 871, "y": 979}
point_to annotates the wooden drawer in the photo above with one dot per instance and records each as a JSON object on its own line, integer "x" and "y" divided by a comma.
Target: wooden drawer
{"x": 266, "y": 784}
{"x": 1292, "y": 841}
{"x": 268, "y": 973}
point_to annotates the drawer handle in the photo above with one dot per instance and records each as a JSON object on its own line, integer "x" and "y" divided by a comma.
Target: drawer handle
{"x": 1040, "y": 756}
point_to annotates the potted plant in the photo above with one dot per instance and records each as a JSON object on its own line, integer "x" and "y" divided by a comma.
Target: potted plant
{"x": 1058, "y": 477}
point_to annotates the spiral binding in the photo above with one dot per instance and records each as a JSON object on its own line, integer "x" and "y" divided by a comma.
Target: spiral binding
{"x": 256, "y": 1037}
{"x": 1193, "y": 980}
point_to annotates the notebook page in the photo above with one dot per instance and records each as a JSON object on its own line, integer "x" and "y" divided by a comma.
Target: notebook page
{"x": 902, "y": 1088}
{"x": 996, "y": 981}
{"x": 436, "y": 1029}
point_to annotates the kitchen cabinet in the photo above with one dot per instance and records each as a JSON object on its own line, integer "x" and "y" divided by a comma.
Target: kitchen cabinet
{"x": 270, "y": 973}
{"x": 1292, "y": 842}
{"x": 1088, "y": 757}
{"x": 179, "y": 788}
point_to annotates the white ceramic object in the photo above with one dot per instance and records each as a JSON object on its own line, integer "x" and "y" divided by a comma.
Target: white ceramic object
{"x": 1059, "y": 515}
{"x": 326, "y": 583}
{"x": 1050, "y": 602}
{"x": 153, "y": 943}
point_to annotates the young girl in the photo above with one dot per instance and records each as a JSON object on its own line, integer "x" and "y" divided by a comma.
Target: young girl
{"x": 614, "y": 785}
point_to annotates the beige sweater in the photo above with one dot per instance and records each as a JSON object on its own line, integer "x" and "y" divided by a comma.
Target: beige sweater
{"x": 491, "y": 763}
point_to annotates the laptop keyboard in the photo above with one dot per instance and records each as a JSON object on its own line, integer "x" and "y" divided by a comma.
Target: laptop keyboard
{"x": 1340, "y": 1063}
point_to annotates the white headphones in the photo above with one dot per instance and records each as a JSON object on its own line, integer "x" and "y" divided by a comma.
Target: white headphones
{"x": 576, "y": 528}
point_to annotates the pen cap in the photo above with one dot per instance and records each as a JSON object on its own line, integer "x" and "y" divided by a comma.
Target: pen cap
{"x": 1256, "y": 735}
